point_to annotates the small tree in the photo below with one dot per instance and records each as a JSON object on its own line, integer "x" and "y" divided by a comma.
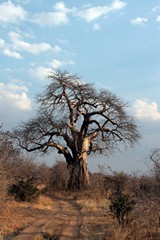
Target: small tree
{"x": 76, "y": 120}
{"x": 24, "y": 191}
{"x": 121, "y": 207}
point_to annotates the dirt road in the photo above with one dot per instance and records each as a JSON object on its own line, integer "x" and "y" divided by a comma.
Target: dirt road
{"x": 71, "y": 229}
{"x": 62, "y": 222}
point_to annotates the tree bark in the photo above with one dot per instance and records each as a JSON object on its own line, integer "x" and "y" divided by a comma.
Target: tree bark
{"x": 79, "y": 176}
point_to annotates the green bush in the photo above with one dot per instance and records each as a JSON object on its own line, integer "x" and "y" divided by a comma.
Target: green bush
{"x": 24, "y": 191}
{"x": 121, "y": 207}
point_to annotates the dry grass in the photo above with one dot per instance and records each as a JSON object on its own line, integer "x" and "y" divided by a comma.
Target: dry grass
{"x": 97, "y": 223}
{"x": 15, "y": 216}
{"x": 92, "y": 205}
{"x": 43, "y": 203}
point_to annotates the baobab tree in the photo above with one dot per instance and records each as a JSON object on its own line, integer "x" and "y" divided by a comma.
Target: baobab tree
{"x": 76, "y": 120}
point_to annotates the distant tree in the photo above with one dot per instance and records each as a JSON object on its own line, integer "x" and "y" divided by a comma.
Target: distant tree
{"x": 7, "y": 156}
{"x": 116, "y": 182}
{"x": 154, "y": 157}
{"x": 77, "y": 120}
{"x": 15, "y": 167}
{"x": 58, "y": 176}
{"x": 7, "y": 151}
{"x": 28, "y": 170}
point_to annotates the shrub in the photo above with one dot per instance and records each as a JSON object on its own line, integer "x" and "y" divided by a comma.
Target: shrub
{"x": 121, "y": 207}
{"x": 24, "y": 191}
{"x": 116, "y": 183}
{"x": 97, "y": 186}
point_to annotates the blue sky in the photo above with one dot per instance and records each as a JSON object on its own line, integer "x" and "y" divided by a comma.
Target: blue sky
{"x": 114, "y": 44}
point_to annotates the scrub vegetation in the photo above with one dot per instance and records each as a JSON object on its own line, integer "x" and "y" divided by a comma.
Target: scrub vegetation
{"x": 35, "y": 202}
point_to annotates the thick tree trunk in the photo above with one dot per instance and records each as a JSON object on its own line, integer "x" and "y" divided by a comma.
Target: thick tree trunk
{"x": 79, "y": 176}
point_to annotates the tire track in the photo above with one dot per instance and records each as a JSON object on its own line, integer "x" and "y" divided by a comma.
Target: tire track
{"x": 34, "y": 230}
{"x": 71, "y": 230}
{"x": 68, "y": 216}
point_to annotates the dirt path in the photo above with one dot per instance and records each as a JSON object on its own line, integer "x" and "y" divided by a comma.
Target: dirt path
{"x": 64, "y": 222}
{"x": 32, "y": 232}
{"x": 71, "y": 230}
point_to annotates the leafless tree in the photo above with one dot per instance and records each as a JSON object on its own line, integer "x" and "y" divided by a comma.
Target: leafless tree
{"x": 116, "y": 183}
{"x": 28, "y": 170}
{"x": 7, "y": 151}
{"x": 7, "y": 155}
{"x": 76, "y": 120}
{"x": 15, "y": 167}
{"x": 155, "y": 159}
{"x": 58, "y": 176}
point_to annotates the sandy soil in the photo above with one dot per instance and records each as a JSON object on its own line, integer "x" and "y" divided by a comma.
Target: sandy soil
{"x": 62, "y": 222}
{"x": 71, "y": 229}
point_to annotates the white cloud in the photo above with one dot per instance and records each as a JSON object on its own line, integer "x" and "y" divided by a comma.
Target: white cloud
{"x": 93, "y": 13}
{"x": 40, "y": 72}
{"x": 14, "y": 87}
{"x": 117, "y": 5}
{"x": 70, "y": 62}
{"x": 6, "y": 50}
{"x": 50, "y": 19}
{"x": 156, "y": 8}
{"x": 158, "y": 19}
{"x": 10, "y": 13}
{"x": 146, "y": 110}
{"x": 60, "y": 15}
{"x": 139, "y": 21}
{"x": 55, "y": 64}
{"x": 13, "y": 96}
{"x": 56, "y": 49}
{"x": 34, "y": 48}
{"x": 96, "y": 27}
{"x": 60, "y": 7}
{"x": 54, "y": 18}
{"x": 2, "y": 43}
{"x": 10, "y": 53}
{"x": 17, "y": 44}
